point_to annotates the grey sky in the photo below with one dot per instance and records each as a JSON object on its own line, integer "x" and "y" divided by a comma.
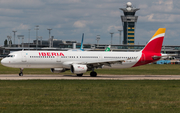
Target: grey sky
{"x": 70, "y": 18}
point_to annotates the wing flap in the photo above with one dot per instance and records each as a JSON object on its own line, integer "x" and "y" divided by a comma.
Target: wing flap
{"x": 107, "y": 63}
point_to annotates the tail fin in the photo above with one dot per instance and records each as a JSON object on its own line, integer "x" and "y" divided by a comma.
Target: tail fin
{"x": 81, "y": 48}
{"x": 108, "y": 48}
{"x": 155, "y": 44}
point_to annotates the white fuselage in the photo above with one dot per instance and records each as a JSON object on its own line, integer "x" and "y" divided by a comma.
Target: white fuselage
{"x": 64, "y": 59}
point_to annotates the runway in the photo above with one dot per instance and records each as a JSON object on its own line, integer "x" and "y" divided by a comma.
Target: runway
{"x": 87, "y": 77}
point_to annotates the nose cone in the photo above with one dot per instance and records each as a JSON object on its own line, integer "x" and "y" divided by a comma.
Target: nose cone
{"x": 4, "y": 62}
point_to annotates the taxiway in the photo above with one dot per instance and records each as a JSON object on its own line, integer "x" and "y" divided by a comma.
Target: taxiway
{"x": 87, "y": 77}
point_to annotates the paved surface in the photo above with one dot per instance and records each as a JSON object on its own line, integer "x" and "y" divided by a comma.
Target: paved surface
{"x": 87, "y": 77}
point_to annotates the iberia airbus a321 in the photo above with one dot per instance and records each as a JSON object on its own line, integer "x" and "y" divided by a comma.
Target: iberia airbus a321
{"x": 80, "y": 62}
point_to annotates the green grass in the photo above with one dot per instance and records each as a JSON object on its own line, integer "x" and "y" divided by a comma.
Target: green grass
{"x": 150, "y": 69}
{"x": 97, "y": 96}
{"x": 86, "y": 96}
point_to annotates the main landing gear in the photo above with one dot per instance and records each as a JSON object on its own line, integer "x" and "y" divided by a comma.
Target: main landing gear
{"x": 21, "y": 72}
{"x": 93, "y": 74}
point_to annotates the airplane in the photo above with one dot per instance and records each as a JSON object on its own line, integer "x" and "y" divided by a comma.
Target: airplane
{"x": 80, "y": 62}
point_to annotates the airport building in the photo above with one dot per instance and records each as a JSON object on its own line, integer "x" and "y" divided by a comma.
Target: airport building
{"x": 60, "y": 45}
{"x": 129, "y": 20}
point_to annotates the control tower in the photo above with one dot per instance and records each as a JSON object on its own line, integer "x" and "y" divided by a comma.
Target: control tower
{"x": 129, "y": 19}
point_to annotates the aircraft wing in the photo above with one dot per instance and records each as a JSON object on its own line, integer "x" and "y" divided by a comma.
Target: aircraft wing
{"x": 96, "y": 64}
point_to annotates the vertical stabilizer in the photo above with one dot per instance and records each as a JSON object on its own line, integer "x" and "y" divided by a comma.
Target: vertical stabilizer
{"x": 152, "y": 51}
{"x": 108, "y": 48}
{"x": 81, "y": 48}
{"x": 155, "y": 44}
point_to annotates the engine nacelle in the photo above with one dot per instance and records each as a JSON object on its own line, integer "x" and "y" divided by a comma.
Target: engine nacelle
{"x": 78, "y": 69}
{"x": 58, "y": 70}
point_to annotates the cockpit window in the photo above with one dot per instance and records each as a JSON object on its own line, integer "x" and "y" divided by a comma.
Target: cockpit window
{"x": 11, "y": 56}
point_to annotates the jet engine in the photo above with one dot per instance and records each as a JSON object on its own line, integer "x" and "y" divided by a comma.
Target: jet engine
{"x": 78, "y": 69}
{"x": 58, "y": 70}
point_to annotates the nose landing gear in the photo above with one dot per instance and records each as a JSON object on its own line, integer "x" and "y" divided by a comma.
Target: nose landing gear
{"x": 21, "y": 72}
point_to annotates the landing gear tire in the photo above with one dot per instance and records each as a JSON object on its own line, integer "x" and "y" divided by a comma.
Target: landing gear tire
{"x": 93, "y": 74}
{"x": 21, "y": 72}
{"x": 79, "y": 75}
